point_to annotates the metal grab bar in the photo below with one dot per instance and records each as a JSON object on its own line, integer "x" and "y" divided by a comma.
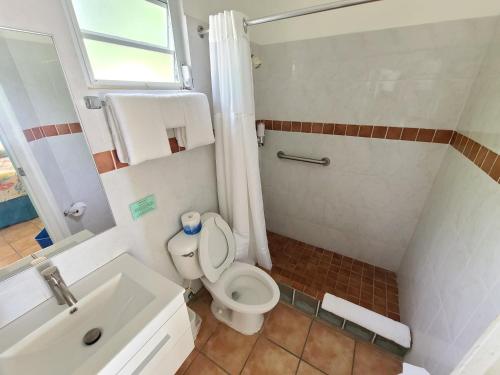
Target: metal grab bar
{"x": 323, "y": 161}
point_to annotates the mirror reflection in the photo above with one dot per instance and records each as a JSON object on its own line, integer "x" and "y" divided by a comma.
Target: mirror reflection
{"x": 51, "y": 195}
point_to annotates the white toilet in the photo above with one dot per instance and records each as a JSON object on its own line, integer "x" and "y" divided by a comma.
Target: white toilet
{"x": 242, "y": 293}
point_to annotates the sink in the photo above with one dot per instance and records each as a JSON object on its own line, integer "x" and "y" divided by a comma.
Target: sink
{"x": 124, "y": 300}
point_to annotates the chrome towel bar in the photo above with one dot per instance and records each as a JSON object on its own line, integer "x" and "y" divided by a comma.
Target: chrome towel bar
{"x": 323, "y": 161}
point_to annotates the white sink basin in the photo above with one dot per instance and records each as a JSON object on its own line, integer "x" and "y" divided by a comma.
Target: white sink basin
{"x": 127, "y": 301}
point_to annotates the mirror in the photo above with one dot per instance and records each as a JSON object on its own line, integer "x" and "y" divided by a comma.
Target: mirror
{"x": 51, "y": 196}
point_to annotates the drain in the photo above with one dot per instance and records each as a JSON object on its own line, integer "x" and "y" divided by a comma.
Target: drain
{"x": 235, "y": 295}
{"x": 92, "y": 336}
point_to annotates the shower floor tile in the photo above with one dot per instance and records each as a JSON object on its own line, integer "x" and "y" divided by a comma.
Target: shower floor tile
{"x": 317, "y": 271}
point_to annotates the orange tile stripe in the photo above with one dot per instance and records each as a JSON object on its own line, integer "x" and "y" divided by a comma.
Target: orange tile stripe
{"x": 481, "y": 156}
{"x": 44, "y": 131}
{"x": 108, "y": 161}
{"x": 365, "y": 131}
{"x": 484, "y": 158}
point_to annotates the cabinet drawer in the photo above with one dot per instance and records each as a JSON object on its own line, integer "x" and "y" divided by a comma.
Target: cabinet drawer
{"x": 162, "y": 341}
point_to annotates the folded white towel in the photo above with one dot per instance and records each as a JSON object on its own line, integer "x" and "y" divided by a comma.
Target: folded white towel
{"x": 198, "y": 130}
{"x": 172, "y": 110}
{"x": 138, "y": 123}
{"x": 381, "y": 325}
{"x": 137, "y": 127}
{"x": 413, "y": 370}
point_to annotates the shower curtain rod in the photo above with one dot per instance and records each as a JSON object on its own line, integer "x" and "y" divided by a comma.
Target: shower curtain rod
{"x": 297, "y": 13}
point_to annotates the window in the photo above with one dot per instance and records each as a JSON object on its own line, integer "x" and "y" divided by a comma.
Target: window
{"x": 129, "y": 42}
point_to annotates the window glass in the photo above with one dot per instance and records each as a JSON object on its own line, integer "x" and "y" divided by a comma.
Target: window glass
{"x": 127, "y": 40}
{"x": 120, "y": 63}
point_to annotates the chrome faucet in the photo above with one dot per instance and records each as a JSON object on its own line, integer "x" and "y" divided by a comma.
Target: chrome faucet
{"x": 59, "y": 288}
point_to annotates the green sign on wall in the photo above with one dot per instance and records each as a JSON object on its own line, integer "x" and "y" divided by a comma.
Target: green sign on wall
{"x": 142, "y": 206}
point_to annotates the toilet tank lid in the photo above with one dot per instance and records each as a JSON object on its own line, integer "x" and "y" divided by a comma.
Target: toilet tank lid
{"x": 182, "y": 243}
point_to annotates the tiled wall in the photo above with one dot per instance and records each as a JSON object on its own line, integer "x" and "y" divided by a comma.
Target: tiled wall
{"x": 411, "y": 83}
{"x": 365, "y": 204}
{"x": 449, "y": 280}
{"x": 108, "y": 161}
{"x": 365, "y": 131}
{"x": 417, "y": 76}
{"x": 45, "y": 131}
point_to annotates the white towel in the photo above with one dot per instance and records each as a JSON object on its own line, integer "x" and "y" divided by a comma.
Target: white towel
{"x": 198, "y": 130}
{"x": 413, "y": 370}
{"x": 137, "y": 127}
{"x": 138, "y": 123}
{"x": 381, "y": 325}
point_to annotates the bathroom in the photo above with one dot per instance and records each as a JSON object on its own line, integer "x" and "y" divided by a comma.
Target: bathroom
{"x": 393, "y": 215}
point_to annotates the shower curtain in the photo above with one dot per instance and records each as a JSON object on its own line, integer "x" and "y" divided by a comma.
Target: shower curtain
{"x": 236, "y": 153}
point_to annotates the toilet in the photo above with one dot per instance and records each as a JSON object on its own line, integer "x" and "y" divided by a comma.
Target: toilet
{"x": 242, "y": 293}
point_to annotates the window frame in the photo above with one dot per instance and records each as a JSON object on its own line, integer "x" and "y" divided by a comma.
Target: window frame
{"x": 181, "y": 52}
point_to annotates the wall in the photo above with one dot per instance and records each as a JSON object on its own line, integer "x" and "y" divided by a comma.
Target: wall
{"x": 368, "y": 202}
{"x": 182, "y": 182}
{"x": 449, "y": 280}
{"x": 374, "y": 16}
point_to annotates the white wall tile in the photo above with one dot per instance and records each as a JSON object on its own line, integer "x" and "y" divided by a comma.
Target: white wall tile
{"x": 366, "y": 204}
{"x": 451, "y": 262}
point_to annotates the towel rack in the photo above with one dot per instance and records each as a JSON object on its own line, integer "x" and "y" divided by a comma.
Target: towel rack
{"x": 323, "y": 161}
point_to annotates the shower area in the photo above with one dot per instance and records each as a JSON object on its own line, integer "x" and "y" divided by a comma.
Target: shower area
{"x": 404, "y": 219}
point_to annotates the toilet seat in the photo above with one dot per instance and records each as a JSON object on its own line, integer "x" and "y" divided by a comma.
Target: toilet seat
{"x": 241, "y": 293}
{"x": 216, "y": 248}
{"x": 257, "y": 281}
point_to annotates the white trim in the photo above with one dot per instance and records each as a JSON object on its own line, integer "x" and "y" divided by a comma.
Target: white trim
{"x": 101, "y": 37}
{"x": 179, "y": 30}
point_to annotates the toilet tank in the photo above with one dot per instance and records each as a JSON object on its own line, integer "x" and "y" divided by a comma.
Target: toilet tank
{"x": 183, "y": 249}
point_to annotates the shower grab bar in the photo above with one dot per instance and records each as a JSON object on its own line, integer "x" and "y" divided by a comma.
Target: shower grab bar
{"x": 323, "y": 161}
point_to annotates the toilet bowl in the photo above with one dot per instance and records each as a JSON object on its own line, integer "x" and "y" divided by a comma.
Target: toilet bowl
{"x": 241, "y": 297}
{"x": 241, "y": 293}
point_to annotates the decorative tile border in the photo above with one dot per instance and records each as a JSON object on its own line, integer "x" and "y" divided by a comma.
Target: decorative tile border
{"x": 45, "y": 131}
{"x": 481, "y": 156}
{"x": 108, "y": 161}
{"x": 364, "y": 131}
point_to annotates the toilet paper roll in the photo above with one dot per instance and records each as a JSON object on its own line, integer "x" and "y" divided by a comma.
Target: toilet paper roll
{"x": 191, "y": 222}
{"x": 76, "y": 209}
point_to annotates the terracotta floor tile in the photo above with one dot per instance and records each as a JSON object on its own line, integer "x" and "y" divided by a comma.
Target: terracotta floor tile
{"x": 306, "y": 369}
{"x": 329, "y": 350}
{"x": 38, "y": 223}
{"x": 25, "y": 245}
{"x": 269, "y": 358}
{"x": 288, "y": 328}
{"x": 204, "y": 366}
{"x": 6, "y": 250}
{"x": 317, "y": 271}
{"x": 370, "y": 360}
{"x": 17, "y": 231}
{"x": 187, "y": 362}
{"x": 208, "y": 322}
{"x": 9, "y": 259}
{"x": 226, "y": 340}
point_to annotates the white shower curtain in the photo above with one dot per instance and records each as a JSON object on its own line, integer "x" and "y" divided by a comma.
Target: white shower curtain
{"x": 236, "y": 153}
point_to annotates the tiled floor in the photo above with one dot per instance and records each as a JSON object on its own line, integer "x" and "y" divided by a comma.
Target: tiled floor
{"x": 18, "y": 241}
{"x": 316, "y": 271}
{"x": 290, "y": 342}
